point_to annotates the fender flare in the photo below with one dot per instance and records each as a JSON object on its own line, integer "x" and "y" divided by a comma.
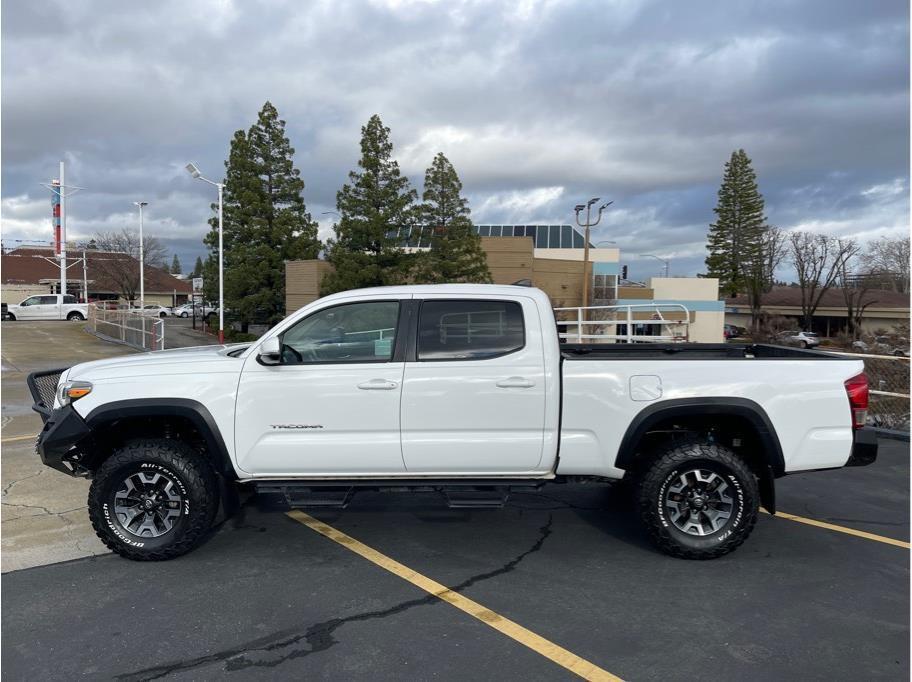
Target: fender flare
{"x": 192, "y": 410}
{"x": 702, "y": 407}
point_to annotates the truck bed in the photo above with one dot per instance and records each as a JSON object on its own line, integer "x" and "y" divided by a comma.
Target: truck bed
{"x": 688, "y": 351}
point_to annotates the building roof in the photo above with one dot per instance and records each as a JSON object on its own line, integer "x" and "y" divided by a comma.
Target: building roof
{"x": 790, "y": 297}
{"x": 29, "y": 266}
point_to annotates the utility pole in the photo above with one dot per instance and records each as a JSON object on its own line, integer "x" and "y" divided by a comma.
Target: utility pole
{"x": 588, "y": 225}
{"x": 85, "y": 279}
{"x": 666, "y": 262}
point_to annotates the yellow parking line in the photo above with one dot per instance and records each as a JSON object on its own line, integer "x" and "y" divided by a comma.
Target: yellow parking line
{"x": 15, "y": 438}
{"x": 514, "y": 631}
{"x": 842, "y": 529}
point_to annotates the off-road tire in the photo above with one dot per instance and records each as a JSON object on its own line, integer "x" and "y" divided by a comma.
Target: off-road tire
{"x": 75, "y": 317}
{"x": 196, "y": 483}
{"x": 666, "y": 468}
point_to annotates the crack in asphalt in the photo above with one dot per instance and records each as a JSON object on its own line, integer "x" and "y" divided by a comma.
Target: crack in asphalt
{"x": 265, "y": 652}
{"x": 47, "y": 512}
{"x": 9, "y": 485}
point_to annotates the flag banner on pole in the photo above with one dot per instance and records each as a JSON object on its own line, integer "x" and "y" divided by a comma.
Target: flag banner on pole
{"x": 55, "y": 212}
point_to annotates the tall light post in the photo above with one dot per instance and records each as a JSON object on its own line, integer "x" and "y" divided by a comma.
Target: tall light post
{"x": 664, "y": 261}
{"x": 195, "y": 172}
{"x": 142, "y": 274}
{"x": 588, "y": 225}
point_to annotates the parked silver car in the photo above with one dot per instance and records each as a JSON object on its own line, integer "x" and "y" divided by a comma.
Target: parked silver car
{"x": 800, "y": 338}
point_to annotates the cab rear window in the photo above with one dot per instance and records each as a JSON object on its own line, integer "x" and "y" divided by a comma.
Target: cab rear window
{"x": 469, "y": 330}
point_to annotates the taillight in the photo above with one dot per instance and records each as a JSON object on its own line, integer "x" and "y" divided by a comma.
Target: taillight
{"x": 857, "y": 390}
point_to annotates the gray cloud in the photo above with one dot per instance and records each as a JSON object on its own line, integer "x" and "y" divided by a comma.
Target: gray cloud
{"x": 539, "y": 104}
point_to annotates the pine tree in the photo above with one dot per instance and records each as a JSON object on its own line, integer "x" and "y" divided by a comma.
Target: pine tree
{"x": 175, "y": 265}
{"x": 198, "y": 267}
{"x": 265, "y": 222}
{"x": 456, "y": 254}
{"x": 375, "y": 205}
{"x": 735, "y": 240}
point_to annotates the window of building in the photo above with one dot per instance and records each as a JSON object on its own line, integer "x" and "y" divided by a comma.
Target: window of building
{"x": 484, "y": 231}
{"x": 554, "y": 236}
{"x": 566, "y": 237}
{"x": 469, "y": 330}
{"x": 355, "y": 332}
{"x": 541, "y": 236}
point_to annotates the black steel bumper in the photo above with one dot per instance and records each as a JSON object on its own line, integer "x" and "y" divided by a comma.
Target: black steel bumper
{"x": 864, "y": 448}
{"x": 59, "y": 441}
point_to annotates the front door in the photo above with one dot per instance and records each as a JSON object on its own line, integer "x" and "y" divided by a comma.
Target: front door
{"x": 473, "y": 400}
{"x": 332, "y": 406}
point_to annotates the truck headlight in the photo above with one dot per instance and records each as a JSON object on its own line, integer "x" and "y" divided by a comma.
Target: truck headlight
{"x": 69, "y": 391}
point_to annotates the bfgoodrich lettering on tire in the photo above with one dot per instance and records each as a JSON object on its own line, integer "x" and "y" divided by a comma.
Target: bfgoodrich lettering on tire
{"x": 153, "y": 500}
{"x": 698, "y": 500}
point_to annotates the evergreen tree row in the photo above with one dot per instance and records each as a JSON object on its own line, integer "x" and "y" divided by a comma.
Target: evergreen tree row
{"x": 265, "y": 223}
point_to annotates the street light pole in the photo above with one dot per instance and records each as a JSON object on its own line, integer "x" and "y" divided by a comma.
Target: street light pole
{"x": 195, "y": 173}
{"x": 142, "y": 278}
{"x": 666, "y": 262}
{"x": 588, "y": 225}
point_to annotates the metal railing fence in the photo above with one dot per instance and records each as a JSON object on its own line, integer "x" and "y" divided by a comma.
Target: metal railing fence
{"x": 888, "y": 381}
{"x": 594, "y": 322}
{"x": 127, "y": 326}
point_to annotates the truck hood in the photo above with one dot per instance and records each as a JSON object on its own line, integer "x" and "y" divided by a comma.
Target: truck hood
{"x": 194, "y": 360}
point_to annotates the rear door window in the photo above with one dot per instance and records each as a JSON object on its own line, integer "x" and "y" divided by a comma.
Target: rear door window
{"x": 469, "y": 329}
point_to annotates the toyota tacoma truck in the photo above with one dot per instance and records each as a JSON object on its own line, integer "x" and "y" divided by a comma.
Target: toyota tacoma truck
{"x": 461, "y": 389}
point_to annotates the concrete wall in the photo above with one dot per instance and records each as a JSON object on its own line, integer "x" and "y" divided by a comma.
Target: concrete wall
{"x": 16, "y": 293}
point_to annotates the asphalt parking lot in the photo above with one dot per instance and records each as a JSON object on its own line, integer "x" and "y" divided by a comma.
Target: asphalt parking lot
{"x": 269, "y": 597}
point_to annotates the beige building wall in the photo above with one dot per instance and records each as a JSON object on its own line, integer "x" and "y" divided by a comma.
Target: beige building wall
{"x": 595, "y": 255}
{"x": 16, "y": 293}
{"x": 706, "y": 326}
{"x": 302, "y": 282}
{"x": 685, "y": 288}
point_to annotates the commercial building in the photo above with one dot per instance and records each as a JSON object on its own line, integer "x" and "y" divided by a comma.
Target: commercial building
{"x": 550, "y": 257}
{"x": 883, "y": 310}
{"x": 28, "y": 271}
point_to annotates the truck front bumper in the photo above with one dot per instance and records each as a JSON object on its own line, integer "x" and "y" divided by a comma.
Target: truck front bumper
{"x": 61, "y": 440}
{"x": 864, "y": 448}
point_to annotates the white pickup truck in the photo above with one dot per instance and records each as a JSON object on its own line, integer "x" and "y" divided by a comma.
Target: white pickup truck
{"x": 46, "y": 307}
{"x": 462, "y": 389}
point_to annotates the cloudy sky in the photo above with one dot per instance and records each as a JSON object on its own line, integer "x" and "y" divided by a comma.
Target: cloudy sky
{"x": 540, "y": 105}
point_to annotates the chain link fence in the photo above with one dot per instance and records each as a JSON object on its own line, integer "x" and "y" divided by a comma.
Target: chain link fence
{"x": 127, "y": 326}
{"x": 888, "y": 379}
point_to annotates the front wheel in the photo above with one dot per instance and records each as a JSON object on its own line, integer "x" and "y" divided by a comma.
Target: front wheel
{"x": 153, "y": 500}
{"x": 698, "y": 501}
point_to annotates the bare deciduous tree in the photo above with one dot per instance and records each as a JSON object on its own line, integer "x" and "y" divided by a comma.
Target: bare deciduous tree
{"x": 759, "y": 269}
{"x": 887, "y": 260}
{"x": 818, "y": 260}
{"x": 123, "y": 271}
{"x": 856, "y": 294}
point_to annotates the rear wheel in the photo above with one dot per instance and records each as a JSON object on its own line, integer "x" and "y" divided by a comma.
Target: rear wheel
{"x": 75, "y": 317}
{"x": 698, "y": 501}
{"x": 153, "y": 500}
{"x": 185, "y": 314}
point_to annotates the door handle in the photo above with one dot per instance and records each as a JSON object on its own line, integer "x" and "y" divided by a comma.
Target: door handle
{"x": 515, "y": 382}
{"x": 378, "y": 385}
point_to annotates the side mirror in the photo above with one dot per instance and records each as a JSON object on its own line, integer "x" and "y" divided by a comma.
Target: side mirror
{"x": 270, "y": 352}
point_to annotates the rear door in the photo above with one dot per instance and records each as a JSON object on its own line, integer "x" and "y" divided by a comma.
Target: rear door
{"x": 48, "y": 308}
{"x": 473, "y": 398}
{"x": 332, "y": 406}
